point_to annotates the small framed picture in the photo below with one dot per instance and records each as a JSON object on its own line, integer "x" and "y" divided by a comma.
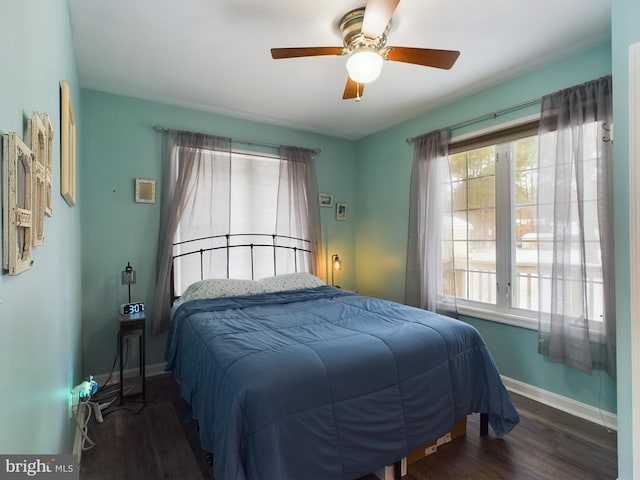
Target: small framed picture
{"x": 341, "y": 212}
{"x": 326, "y": 199}
{"x": 145, "y": 190}
{"x": 67, "y": 146}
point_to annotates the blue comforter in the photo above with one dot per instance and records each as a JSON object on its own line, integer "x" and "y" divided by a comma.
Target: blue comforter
{"x": 320, "y": 383}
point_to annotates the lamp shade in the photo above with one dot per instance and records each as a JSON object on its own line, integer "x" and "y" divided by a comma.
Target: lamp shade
{"x": 364, "y": 65}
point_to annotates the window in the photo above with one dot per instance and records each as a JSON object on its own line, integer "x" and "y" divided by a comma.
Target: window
{"x": 237, "y": 195}
{"x": 495, "y": 236}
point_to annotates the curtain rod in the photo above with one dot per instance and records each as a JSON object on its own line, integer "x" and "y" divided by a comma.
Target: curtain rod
{"x": 485, "y": 116}
{"x": 160, "y": 129}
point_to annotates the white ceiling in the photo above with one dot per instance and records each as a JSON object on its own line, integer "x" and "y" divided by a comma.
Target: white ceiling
{"x": 214, "y": 55}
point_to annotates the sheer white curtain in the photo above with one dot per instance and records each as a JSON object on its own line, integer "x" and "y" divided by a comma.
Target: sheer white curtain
{"x": 209, "y": 190}
{"x": 298, "y": 208}
{"x": 575, "y": 228}
{"x": 186, "y": 166}
{"x": 430, "y": 279}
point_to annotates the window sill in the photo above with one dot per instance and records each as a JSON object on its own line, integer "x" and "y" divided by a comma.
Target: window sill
{"x": 596, "y": 335}
{"x": 500, "y": 317}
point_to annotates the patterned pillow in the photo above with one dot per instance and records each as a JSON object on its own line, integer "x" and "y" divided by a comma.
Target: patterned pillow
{"x": 290, "y": 281}
{"x": 221, "y": 287}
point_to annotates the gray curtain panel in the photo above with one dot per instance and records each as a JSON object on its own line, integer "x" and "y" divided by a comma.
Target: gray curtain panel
{"x": 298, "y": 204}
{"x": 575, "y": 228}
{"x": 188, "y": 161}
{"x": 202, "y": 196}
{"x": 430, "y": 280}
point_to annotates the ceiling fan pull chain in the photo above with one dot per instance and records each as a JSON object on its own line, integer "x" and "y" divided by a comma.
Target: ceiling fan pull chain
{"x": 357, "y": 92}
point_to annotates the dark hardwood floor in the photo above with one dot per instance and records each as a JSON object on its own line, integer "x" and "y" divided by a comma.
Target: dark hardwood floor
{"x": 158, "y": 440}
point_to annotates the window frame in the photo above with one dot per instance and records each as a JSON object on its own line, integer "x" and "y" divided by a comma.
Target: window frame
{"x": 505, "y": 201}
{"x": 257, "y": 262}
{"x": 499, "y": 135}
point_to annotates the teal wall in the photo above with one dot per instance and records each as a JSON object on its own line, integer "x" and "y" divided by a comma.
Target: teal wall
{"x": 625, "y": 32}
{"x": 384, "y": 170}
{"x": 121, "y": 145}
{"x": 372, "y": 175}
{"x": 40, "y": 356}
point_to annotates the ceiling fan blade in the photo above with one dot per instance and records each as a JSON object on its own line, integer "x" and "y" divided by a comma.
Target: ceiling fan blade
{"x": 277, "y": 53}
{"x": 352, "y": 90}
{"x": 424, "y": 56}
{"x": 377, "y": 16}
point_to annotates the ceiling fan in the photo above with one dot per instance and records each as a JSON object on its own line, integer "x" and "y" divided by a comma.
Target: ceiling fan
{"x": 364, "y": 33}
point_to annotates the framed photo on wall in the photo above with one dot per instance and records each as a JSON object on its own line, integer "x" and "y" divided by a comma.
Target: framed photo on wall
{"x": 145, "y": 190}
{"x": 67, "y": 146}
{"x": 341, "y": 212}
{"x": 326, "y": 199}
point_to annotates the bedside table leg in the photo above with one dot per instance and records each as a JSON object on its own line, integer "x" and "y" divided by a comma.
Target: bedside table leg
{"x": 142, "y": 362}
{"x": 121, "y": 379}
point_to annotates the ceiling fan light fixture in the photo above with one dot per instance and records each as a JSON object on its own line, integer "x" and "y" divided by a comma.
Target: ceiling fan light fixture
{"x": 364, "y": 65}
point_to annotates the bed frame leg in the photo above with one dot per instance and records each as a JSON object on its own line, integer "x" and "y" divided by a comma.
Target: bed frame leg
{"x": 397, "y": 470}
{"x": 484, "y": 424}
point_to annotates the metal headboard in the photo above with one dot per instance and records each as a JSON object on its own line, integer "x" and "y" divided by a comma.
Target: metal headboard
{"x": 295, "y": 245}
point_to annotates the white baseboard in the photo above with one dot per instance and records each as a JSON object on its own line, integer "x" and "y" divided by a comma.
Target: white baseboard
{"x": 565, "y": 404}
{"x": 149, "y": 371}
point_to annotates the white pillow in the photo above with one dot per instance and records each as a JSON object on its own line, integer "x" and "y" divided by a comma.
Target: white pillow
{"x": 218, "y": 288}
{"x": 221, "y": 287}
{"x": 290, "y": 281}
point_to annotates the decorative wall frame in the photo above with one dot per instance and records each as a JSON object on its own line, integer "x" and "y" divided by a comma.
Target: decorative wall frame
{"x": 341, "y": 212}
{"x": 325, "y": 199}
{"x": 68, "y": 146}
{"x": 17, "y": 188}
{"x": 38, "y": 134}
{"x": 145, "y": 190}
{"x": 48, "y": 165}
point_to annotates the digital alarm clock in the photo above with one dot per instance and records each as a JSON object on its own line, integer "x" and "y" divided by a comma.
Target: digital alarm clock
{"x": 132, "y": 310}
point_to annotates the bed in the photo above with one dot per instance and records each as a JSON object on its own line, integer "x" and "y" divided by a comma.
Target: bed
{"x": 290, "y": 378}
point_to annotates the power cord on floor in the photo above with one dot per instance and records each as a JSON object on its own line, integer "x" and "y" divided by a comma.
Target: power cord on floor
{"x": 142, "y": 404}
{"x": 112, "y": 390}
{"x": 83, "y": 428}
{"x": 113, "y": 366}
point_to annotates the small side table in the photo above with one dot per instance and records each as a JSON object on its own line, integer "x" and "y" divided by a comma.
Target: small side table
{"x": 130, "y": 328}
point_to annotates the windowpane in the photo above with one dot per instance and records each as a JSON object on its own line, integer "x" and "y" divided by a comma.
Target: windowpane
{"x": 525, "y": 242}
{"x": 482, "y": 193}
{"x": 482, "y": 162}
{"x": 474, "y": 224}
{"x": 482, "y": 256}
{"x": 459, "y": 195}
{"x": 482, "y": 287}
{"x": 481, "y": 224}
{"x": 458, "y": 167}
{"x": 238, "y": 199}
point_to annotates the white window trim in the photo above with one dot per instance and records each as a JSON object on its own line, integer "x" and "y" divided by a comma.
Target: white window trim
{"x": 527, "y": 319}
{"x": 522, "y": 320}
{"x": 495, "y": 128}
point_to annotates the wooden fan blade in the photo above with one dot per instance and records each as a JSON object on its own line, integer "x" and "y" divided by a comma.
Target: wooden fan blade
{"x": 277, "y": 53}
{"x": 424, "y": 56}
{"x": 352, "y": 90}
{"x": 377, "y": 16}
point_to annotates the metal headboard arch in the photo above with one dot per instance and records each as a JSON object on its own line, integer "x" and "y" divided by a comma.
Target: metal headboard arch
{"x": 299, "y": 246}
